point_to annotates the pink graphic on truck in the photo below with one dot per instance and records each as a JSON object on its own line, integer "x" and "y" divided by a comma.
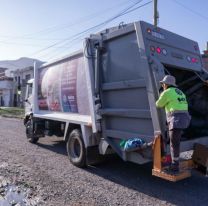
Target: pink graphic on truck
{"x": 68, "y": 86}
{"x": 50, "y": 89}
{"x": 62, "y": 87}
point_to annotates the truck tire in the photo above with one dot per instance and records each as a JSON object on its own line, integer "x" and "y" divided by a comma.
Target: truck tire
{"x": 76, "y": 149}
{"x": 30, "y": 133}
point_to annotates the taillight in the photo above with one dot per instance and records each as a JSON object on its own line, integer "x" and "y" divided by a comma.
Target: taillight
{"x": 152, "y": 48}
{"x": 193, "y": 60}
{"x": 158, "y": 50}
{"x": 149, "y": 31}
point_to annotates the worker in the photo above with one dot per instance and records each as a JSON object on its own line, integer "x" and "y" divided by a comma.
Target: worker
{"x": 176, "y": 107}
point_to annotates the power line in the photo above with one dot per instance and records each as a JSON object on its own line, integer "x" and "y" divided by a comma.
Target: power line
{"x": 83, "y": 19}
{"x": 191, "y": 10}
{"x": 123, "y": 12}
{"x": 27, "y": 38}
{"x": 64, "y": 26}
{"x": 48, "y": 30}
{"x": 67, "y": 39}
{"x": 138, "y": 7}
{"x": 58, "y": 52}
{"x": 75, "y": 40}
{"x": 80, "y": 33}
{"x": 27, "y": 44}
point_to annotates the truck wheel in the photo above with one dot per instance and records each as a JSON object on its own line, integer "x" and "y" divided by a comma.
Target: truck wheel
{"x": 76, "y": 149}
{"x": 29, "y": 132}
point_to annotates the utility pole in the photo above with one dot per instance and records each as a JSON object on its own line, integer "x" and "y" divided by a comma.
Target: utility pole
{"x": 156, "y": 15}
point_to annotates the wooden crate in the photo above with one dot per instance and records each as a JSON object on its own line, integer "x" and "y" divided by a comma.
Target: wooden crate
{"x": 200, "y": 156}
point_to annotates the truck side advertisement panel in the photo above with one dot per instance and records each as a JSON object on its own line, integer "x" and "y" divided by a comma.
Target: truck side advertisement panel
{"x": 62, "y": 88}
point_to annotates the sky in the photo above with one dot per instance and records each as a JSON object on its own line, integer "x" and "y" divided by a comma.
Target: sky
{"x": 48, "y": 29}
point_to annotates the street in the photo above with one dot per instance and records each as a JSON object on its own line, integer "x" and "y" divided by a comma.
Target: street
{"x": 45, "y": 169}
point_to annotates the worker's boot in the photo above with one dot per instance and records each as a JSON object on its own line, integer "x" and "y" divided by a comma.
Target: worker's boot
{"x": 173, "y": 169}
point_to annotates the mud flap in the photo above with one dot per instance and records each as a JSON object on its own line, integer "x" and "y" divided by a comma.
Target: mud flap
{"x": 93, "y": 155}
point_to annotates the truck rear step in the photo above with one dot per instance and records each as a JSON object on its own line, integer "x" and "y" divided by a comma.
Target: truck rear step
{"x": 159, "y": 171}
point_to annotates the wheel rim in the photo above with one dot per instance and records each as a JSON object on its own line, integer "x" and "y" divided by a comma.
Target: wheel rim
{"x": 75, "y": 148}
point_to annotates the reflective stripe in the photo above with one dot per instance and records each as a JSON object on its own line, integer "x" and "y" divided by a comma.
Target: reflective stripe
{"x": 177, "y": 112}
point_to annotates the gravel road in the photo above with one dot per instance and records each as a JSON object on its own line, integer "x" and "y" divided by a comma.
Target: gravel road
{"x": 43, "y": 174}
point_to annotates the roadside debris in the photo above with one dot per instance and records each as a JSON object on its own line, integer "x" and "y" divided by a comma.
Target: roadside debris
{"x": 16, "y": 192}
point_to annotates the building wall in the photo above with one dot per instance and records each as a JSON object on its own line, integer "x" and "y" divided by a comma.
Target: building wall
{"x": 205, "y": 61}
{"x": 11, "y": 80}
{"x": 2, "y": 72}
{"x": 6, "y": 96}
{"x": 205, "y": 57}
{"x": 6, "y": 84}
{"x": 21, "y": 76}
{"x": 6, "y": 93}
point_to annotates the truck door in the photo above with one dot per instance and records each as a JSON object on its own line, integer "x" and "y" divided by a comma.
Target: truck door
{"x": 127, "y": 96}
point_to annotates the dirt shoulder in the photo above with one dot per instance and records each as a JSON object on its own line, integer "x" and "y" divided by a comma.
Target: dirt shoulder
{"x": 12, "y": 112}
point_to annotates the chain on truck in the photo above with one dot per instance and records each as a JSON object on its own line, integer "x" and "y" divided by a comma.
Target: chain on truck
{"x": 105, "y": 94}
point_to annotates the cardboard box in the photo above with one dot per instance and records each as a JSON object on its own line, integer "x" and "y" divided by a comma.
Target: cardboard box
{"x": 200, "y": 155}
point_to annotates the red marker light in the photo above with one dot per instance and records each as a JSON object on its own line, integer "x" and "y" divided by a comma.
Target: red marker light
{"x": 152, "y": 48}
{"x": 149, "y": 31}
{"x": 193, "y": 60}
{"x": 158, "y": 50}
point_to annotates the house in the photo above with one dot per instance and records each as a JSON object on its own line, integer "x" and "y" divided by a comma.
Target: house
{"x": 14, "y": 75}
{"x": 6, "y": 91}
{"x": 2, "y": 72}
{"x": 21, "y": 76}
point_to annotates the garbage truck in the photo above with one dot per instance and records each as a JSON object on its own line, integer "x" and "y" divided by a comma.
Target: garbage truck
{"x": 105, "y": 93}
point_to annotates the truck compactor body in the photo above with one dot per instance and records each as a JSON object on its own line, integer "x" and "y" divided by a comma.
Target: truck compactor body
{"x": 106, "y": 93}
